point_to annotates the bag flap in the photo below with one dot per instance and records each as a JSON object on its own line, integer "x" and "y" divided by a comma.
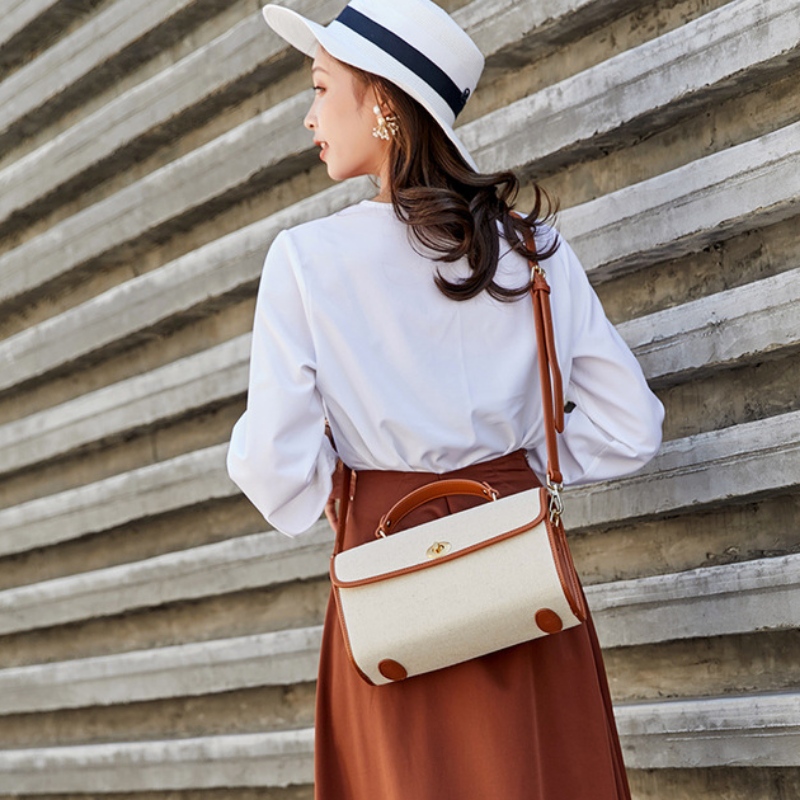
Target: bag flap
{"x": 439, "y": 540}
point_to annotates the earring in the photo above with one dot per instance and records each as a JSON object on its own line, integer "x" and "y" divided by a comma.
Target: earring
{"x": 386, "y": 127}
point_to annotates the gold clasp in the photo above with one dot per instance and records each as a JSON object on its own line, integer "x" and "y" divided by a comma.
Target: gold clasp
{"x": 438, "y": 549}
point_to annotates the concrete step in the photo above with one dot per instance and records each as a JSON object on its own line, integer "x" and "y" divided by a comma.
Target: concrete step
{"x": 755, "y": 595}
{"x": 742, "y": 461}
{"x": 211, "y": 377}
{"x": 269, "y": 659}
{"x": 19, "y": 14}
{"x": 172, "y": 198}
{"x": 738, "y": 326}
{"x": 160, "y": 202}
{"x": 743, "y": 188}
{"x": 187, "y": 480}
{"x": 510, "y": 32}
{"x": 643, "y": 89}
{"x": 283, "y": 658}
{"x": 204, "y": 77}
{"x": 736, "y": 464}
{"x": 749, "y": 730}
{"x": 258, "y": 759}
{"x": 224, "y": 66}
{"x": 247, "y": 562}
{"x": 80, "y": 57}
{"x": 682, "y": 211}
{"x": 759, "y": 595}
{"x": 748, "y": 322}
{"x": 26, "y": 23}
{"x": 744, "y": 731}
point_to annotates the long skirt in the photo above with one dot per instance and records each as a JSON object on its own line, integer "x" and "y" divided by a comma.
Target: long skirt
{"x": 531, "y": 722}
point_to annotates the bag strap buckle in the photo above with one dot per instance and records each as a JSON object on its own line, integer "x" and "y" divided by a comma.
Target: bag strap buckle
{"x": 556, "y": 502}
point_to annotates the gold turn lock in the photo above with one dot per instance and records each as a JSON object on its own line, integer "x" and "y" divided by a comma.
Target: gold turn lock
{"x": 438, "y": 549}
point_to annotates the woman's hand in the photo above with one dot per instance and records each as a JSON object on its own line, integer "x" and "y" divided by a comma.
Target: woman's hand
{"x": 332, "y": 511}
{"x": 335, "y": 498}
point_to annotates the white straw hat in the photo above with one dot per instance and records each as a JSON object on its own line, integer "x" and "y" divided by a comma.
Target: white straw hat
{"x": 414, "y": 44}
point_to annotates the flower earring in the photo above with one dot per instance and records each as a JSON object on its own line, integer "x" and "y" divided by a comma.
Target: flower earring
{"x": 386, "y": 127}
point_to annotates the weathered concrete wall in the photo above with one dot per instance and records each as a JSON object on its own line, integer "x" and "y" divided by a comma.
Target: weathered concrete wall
{"x": 156, "y": 640}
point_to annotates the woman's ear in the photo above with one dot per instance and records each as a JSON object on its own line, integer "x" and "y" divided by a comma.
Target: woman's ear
{"x": 377, "y": 99}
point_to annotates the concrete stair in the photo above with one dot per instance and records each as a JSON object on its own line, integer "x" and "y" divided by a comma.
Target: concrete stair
{"x": 149, "y": 156}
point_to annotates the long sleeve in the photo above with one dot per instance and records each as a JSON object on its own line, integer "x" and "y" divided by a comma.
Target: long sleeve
{"x": 615, "y": 427}
{"x": 279, "y": 455}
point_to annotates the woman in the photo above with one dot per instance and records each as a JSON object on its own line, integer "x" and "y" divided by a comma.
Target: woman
{"x": 403, "y": 321}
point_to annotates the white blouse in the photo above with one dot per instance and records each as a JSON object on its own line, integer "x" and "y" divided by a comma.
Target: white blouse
{"x": 349, "y": 325}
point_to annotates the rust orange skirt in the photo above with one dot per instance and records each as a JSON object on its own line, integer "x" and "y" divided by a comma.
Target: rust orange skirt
{"x": 532, "y": 722}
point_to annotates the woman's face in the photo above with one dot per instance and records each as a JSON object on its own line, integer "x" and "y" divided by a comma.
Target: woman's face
{"x": 342, "y": 120}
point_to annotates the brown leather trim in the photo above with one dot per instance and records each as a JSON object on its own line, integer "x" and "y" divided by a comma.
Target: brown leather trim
{"x": 543, "y": 515}
{"x": 565, "y": 567}
{"x": 345, "y": 636}
{"x": 431, "y": 491}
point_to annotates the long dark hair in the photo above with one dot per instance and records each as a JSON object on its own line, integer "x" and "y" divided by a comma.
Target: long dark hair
{"x": 451, "y": 209}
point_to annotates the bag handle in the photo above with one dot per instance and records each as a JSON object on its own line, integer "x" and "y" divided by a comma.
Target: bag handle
{"x": 431, "y": 491}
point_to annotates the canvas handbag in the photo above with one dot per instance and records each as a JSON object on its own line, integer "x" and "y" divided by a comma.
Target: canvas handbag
{"x": 470, "y": 583}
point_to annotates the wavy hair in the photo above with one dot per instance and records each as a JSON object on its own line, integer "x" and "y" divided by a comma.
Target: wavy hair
{"x": 451, "y": 209}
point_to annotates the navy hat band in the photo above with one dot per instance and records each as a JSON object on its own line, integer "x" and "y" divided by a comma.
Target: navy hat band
{"x": 408, "y": 56}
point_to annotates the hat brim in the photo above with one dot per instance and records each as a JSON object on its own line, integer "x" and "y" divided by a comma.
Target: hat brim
{"x": 305, "y": 35}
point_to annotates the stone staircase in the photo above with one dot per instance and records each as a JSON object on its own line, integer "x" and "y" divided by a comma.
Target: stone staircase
{"x": 156, "y": 640}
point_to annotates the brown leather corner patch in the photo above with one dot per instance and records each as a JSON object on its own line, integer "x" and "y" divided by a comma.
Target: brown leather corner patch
{"x": 549, "y": 621}
{"x": 392, "y": 670}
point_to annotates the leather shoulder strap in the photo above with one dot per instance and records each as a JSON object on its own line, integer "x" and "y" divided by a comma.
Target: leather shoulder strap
{"x": 549, "y": 371}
